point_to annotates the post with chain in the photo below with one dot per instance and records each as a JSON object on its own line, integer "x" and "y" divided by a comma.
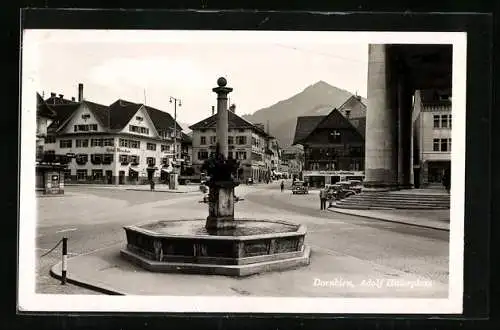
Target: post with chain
{"x": 64, "y": 260}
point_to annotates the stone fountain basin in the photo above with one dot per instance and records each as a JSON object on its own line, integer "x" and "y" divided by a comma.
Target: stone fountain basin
{"x": 186, "y": 246}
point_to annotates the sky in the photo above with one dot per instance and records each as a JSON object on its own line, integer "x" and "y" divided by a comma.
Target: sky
{"x": 144, "y": 69}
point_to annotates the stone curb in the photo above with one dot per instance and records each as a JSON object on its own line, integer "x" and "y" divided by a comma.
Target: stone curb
{"x": 338, "y": 210}
{"x": 86, "y": 285}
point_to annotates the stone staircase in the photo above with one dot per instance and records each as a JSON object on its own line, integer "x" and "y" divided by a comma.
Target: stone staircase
{"x": 396, "y": 200}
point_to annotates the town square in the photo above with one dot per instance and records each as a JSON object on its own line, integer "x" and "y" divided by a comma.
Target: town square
{"x": 196, "y": 175}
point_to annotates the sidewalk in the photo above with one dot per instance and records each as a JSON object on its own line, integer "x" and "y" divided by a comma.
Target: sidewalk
{"x": 140, "y": 187}
{"x": 328, "y": 275}
{"x": 435, "y": 219}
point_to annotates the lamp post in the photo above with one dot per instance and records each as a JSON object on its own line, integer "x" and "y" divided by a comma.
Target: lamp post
{"x": 173, "y": 181}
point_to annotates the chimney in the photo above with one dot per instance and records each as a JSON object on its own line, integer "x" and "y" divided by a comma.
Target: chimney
{"x": 52, "y": 94}
{"x": 213, "y": 110}
{"x": 232, "y": 108}
{"x": 61, "y": 96}
{"x": 73, "y": 98}
{"x": 80, "y": 92}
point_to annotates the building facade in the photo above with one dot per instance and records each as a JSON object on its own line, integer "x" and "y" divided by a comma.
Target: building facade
{"x": 49, "y": 169}
{"x": 333, "y": 146}
{"x": 292, "y": 161}
{"x": 123, "y": 143}
{"x": 255, "y": 149}
{"x": 432, "y": 124}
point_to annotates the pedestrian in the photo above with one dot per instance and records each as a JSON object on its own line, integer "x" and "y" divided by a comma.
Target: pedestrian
{"x": 447, "y": 180}
{"x": 152, "y": 185}
{"x": 282, "y": 186}
{"x": 322, "y": 198}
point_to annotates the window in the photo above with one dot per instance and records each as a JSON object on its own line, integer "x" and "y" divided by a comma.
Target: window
{"x": 202, "y": 155}
{"x": 107, "y": 158}
{"x": 212, "y": 154}
{"x": 449, "y": 121}
{"x": 435, "y": 145}
{"x": 81, "y": 175}
{"x": 436, "y": 121}
{"x": 50, "y": 139}
{"x": 355, "y": 151}
{"x": 151, "y": 161}
{"x": 85, "y": 127}
{"x": 138, "y": 118}
{"x": 82, "y": 159}
{"x": 96, "y": 143}
{"x": 96, "y": 159}
{"x": 242, "y": 155}
{"x": 241, "y": 140}
{"x": 165, "y": 147}
{"x": 230, "y": 140}
{"x": 134, "y": 159}
{"x": 138, "y": 129}
{"x": 151, "y": 146}
{"x": 130, "y": 143}
{"x": 229, "y": 154}
{"x": 203, "y": 130}
{"x": 444, "y": 121}
{"x": 334, "y": 137}
{"x": 65, "y": 143}
{"x": 97, "y": 175}
{"x": 348, "y": 113}
{"x": 203, "y": 140}
{"x": 213, "y": 139}
{"x": 124, "y": 159}
{"x": 108, "y": 142}
{"x": 82, "y": 143}
{"x": 449, "y": 145}
{"x": 444, "y": 145}
{"x": 241, "y": 130}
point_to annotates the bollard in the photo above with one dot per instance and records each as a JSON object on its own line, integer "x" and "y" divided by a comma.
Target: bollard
{"x": 64, "y": 259}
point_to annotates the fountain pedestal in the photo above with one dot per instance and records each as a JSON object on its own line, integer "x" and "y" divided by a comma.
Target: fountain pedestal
{"x": 221, "y": 205}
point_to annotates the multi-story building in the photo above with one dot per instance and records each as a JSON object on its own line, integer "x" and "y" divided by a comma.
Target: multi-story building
{"x": 123, "y": 143}
{"x": 49, "y": 169}
{"x": 333, "y": 144}
{"x": 292, "y": 161}
{"x": 431, "y": 119}
{"x": 248, "y": 143}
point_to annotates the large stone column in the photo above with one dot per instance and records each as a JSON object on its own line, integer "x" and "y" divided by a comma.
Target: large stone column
{"x": 404, "y": 132}
{"x": 381, "y": 163}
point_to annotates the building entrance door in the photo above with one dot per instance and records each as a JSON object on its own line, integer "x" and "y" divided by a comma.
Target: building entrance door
{"x": 121, "y": 177}
{"x": 109, "y": 177}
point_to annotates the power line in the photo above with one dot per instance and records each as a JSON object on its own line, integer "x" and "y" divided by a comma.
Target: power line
{"x": 319, "y": 53}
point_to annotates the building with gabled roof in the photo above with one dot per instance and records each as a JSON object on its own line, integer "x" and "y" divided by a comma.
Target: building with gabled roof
{"x": 120, "y": 143}
{"x": 255, "y": 149}
{"x": 333, "y": 144}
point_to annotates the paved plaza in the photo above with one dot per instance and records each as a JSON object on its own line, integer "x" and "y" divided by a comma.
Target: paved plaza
{"x": 352, "y": 256}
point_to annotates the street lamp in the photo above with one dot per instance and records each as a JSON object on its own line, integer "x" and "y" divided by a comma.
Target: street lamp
{"x": 176, "y": 102}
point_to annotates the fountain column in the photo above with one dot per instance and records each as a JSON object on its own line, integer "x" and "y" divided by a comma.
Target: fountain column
{"x": 221, "y": 185}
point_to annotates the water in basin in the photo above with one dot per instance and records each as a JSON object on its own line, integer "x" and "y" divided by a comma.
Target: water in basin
{"x": 197, "y": 228}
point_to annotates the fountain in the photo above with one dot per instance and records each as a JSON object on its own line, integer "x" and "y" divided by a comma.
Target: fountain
{"x": 219, "y": 244}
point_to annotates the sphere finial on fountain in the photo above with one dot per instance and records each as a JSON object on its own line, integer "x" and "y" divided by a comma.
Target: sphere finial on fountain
{"x": 222, "y": 82}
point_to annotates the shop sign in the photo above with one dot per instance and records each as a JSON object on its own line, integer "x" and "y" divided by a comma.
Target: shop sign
{"x": 117, "y": 150}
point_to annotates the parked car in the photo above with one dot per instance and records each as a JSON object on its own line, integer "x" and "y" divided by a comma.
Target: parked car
{"x": 299, "y": 187}
{"x": 339, "y": 191}
{"x": 356, "y": 185}
{"x": 351, "y": 186}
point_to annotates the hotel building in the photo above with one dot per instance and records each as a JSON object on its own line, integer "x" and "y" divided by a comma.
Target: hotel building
{"x": 123, "y": 143}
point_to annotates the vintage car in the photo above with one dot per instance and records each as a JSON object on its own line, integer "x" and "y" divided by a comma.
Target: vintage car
{"x": 338, "y": 191}
{"x": 353, "y": 186}
{"x": 299, "y": 187}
